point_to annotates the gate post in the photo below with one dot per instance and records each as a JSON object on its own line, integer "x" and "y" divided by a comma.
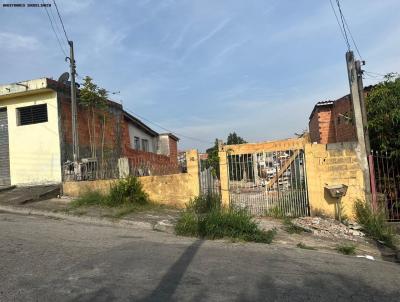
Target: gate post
{"x": 224, "y": 179}
{"x": 192, "y": 162}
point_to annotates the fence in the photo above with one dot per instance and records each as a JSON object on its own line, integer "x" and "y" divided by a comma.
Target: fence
{"x": 385, "y": 180}
{"x": 113, "y": 168}
{"x": 269, "y": 181}
{"x": 209, "y": 183}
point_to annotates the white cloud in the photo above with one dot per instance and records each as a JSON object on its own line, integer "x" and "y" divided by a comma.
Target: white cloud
{"x": 14, "y": 41}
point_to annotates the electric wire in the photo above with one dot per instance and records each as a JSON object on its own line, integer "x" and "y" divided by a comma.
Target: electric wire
{"x": 343, "y": 24}
{"x": 338, "y": 22}
{"x": 62, "y": 23}
{"x": 54, "y": 31}
{"x": 168, "y": 130}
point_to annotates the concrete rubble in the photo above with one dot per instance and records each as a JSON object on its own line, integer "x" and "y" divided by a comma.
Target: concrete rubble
{"x": 328, "y": 227}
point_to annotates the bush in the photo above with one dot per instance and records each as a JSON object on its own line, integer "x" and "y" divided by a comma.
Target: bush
{"x": 374, "y": 223}
{"x": 127, "y": 191}
{"x": 346, "y": 249}
{"x": 206, "y": 218}
{"x": 204, "y": 203}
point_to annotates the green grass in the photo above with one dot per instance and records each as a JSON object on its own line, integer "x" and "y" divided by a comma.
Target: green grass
{"x": 126, "y": 196}
{"x": 346, "y": 249}
{"x": 374, "y": 223}
{"x": 290, "y": 227}
{"x": 301, "y": 245}
{"x": 206, "y": 218}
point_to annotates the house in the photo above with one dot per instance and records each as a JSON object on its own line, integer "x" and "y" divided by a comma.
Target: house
{"x": 36, "y": 134}
{"x": 332, "y": 121}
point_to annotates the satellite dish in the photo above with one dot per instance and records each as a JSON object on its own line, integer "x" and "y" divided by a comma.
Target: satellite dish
{"x": 63, "y": 78}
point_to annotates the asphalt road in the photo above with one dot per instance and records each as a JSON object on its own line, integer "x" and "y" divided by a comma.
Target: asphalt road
{"x": 43, "y": 259}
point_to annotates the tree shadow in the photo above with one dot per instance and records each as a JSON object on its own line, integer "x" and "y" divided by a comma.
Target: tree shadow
{"x": 169, "y": 283}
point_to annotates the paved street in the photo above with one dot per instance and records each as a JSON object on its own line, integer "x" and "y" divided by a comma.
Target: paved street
{"x": 44, "y": 259}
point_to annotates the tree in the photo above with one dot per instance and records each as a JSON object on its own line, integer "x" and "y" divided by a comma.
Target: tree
{"x": 383, "y": 110}
{"x": 94, "y": 99}
{"x": 213, "y": 158}
{"x": 234, "y": 139}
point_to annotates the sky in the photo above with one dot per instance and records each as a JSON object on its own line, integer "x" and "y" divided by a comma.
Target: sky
{"x": 205, "y": 68}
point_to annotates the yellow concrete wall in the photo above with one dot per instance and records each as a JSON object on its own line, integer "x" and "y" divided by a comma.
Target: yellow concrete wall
{"x": 331, "y": 165}
{"x": 174, "y": 189}
{"x": 34, "y": 149}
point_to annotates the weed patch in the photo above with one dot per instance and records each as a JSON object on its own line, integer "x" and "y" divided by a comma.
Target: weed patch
{"x": 346, "y": 249}
{"x": 301, "y": 245}
{"x": 290, "y": 227}
{"x": 374, "y": 223}
{"x": 205, "y": 217}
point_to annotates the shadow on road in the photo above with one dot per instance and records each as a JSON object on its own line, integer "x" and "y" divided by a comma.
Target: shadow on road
{"x": 169, "y": 283}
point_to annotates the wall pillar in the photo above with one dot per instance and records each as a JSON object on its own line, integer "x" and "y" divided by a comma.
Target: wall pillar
{"x": 224, "y": 177}
{"x": 192, "y": 162}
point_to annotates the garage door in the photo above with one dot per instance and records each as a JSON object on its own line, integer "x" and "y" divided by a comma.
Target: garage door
{"x": 4, "y": 150}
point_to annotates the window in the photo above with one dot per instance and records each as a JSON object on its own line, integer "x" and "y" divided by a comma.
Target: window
{"x": 145, "y": 145}
{"x": 32, "y": 115}
{"x": 137, "y": 143}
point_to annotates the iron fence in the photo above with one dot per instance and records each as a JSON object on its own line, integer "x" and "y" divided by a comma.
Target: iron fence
{"x": 386, "y": 183}
{"x": 269, "y": 181}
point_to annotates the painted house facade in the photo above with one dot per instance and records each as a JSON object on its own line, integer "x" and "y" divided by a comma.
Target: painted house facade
{"x": 36, "y": 134}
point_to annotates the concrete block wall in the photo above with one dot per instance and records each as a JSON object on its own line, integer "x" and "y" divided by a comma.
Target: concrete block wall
{"x": 333, "y": 164}
{"x": 174, "y": 189}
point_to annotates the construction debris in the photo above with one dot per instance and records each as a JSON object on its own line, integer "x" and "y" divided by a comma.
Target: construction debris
{"x": 328, "y": 227}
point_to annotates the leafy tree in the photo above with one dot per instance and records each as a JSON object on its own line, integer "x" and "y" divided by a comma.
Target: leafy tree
{"x": 383, "y": 110}
{"x": 213, "y": 158}
{"x": 234, "y": 139}
{"x": 94, "y": 99}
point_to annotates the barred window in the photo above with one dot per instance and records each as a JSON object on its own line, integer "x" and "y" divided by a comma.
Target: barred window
{"x": 32, "y": 115}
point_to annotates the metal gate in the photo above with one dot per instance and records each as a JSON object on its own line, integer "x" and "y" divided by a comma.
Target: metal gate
{"x": 4, "y": 149}
{"x": 209, "y": 183}
{"x": 269, "y": 182}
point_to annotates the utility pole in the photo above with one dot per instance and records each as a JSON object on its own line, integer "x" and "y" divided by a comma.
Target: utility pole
{"x": 75, "y": 143}
{"x": 359, "y": 115}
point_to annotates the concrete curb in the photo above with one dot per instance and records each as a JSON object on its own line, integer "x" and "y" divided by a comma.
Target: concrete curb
{"x": 81, "y": 219}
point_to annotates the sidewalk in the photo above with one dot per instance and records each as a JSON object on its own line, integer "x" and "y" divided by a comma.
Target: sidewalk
{"x": 160, "y": 219}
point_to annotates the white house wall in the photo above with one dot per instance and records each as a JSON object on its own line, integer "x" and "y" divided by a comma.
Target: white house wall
{"x": 135, "y": 131}
{"x": 34, "y": 149}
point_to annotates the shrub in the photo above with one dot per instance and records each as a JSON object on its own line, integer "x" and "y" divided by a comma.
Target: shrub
{"x": 127, "y": 190}
{"x": 374, "y": 223}
{"x": 204, "y": 203}
{"x": 206, "y": 218}
{"x": 346, "y": 249}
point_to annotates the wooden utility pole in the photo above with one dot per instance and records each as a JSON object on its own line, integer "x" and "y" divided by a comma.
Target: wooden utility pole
{"x": 359, "y": 115}
{"x": 75, "y": 142}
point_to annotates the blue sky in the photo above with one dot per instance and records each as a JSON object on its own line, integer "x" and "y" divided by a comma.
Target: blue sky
{"x": 204, "y": 68}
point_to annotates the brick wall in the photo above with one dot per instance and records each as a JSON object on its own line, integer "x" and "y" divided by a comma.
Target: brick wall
{"x": 344, "y": 128}
{"x": 112, "y": 136}
{"x": 173, "y": 150}
{"x": 161, "y": 164}
{"x": 332, "y": 123}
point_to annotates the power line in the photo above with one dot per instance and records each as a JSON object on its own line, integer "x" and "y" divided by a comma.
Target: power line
{"x": 52, "y": 27}
{"x": 173, "y": 132}
{"x": 62, "y": 23}
{"x": 57, "y": 26}
{"x": 344, "y": 28}
{"x": 338, "y": 22}
{"x": 351, "y": 36}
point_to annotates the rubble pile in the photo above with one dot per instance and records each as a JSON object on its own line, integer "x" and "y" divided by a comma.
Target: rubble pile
{"x": 328, "y": 227}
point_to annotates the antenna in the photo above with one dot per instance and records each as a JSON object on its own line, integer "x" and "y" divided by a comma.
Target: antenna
{"x": 63, "y": 78}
